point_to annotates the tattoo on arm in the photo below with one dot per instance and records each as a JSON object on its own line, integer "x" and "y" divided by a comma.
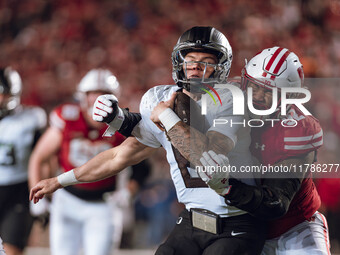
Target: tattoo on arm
{"x": 191, "y": 143}
{"x": 219, "y": 143}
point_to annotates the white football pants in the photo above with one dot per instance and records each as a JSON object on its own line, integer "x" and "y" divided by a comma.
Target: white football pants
{"x": 77, "y": 225}
{"x": 306, "y": 238}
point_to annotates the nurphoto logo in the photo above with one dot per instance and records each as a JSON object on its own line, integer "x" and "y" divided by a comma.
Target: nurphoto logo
{"x": 239, "y": 105}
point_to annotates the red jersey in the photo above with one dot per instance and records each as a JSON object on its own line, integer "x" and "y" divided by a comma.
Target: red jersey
{"x": 80, "y": 143}
{"x": 271, "y": 145}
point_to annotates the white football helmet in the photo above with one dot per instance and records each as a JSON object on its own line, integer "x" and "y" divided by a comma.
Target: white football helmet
{"x": 11, "y": 85}
{"x": 97, "y": 80}
{"x": 275, "y": 67}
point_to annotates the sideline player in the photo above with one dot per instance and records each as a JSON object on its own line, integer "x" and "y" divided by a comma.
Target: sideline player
{"x": 291, "y": 204}
{"x": 2, "y": 251}
{"x": 80, "y": 218}
{"x": 201, "y": 53}
{"x": 20, "y": 128}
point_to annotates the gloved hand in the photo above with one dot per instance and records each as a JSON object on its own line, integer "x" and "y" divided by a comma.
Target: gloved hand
{"x": 41, "y": 211}
{"x": 214, "y": 172}
{"x": 106, "y": 109}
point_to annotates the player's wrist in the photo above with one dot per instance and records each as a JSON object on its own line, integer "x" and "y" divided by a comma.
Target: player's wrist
{"x": 168, "y": 118}
{"x": 220, "y": 185}
{"x": 226, "y": 191}
{"x": 68, "y": 178}
{"x": 116, "y": 123}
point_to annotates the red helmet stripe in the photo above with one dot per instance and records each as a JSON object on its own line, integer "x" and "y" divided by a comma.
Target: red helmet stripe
{"x": 271, "y": 61}
{"x": 280, "y": 63}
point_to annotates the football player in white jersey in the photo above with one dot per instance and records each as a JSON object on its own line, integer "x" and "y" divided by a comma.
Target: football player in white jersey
{"x": 2, "y": 251}
{"x": 20, "y": 128}
{"x": 202, "y": 56}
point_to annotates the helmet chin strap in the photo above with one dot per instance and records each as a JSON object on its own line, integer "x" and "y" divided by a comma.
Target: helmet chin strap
{"x": 199, "y": 85}
{"x": 194, "y": 86}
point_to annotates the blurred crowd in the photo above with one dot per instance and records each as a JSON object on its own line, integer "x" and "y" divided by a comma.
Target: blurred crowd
{"x": 52, "y": 44}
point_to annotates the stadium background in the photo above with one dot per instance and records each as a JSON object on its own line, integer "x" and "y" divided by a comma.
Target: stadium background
{"x": 54, "y": 43}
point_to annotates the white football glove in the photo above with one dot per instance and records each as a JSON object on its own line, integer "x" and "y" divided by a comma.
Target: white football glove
{"x": 214, "y": 172}
{"x": 41, "y": 211}
{"x": 40, "y": 208}
{"x": 106, "y": 109}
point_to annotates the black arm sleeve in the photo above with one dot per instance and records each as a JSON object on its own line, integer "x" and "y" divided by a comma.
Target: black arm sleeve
{"x": 269, "y": 201}
{"x": 130, "y": 121}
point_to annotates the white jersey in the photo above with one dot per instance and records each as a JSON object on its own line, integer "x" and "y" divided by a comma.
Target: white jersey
{"x": 2, "y": 251}
{"x": 195, "y": 196}
{"x": 17, "y": 136}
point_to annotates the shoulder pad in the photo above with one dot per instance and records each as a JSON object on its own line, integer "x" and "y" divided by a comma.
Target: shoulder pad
{"x": 155, "y": 95}
{"x": 69, "y": 112}
{"x": 39, "y": 116}
{"x": 64, "y": 113}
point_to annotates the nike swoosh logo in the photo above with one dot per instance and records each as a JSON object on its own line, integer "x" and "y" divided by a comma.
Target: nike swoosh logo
{"x": 237, "y": 233}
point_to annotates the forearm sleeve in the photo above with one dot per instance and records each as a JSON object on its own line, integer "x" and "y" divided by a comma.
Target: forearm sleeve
{"x": 271, "y": 200}
{"x": 130, "y": 121}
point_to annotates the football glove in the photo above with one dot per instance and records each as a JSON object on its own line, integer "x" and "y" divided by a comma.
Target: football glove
{"x": 106, "y": 109}
{"x": 214, "y": 172}
{"x": 41, "y": 211}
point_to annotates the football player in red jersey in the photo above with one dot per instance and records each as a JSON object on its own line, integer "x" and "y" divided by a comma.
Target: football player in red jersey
{"x": 301, "y": 230}
{"x": 80, "y": 218}
{"x": 290, "y": 204}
